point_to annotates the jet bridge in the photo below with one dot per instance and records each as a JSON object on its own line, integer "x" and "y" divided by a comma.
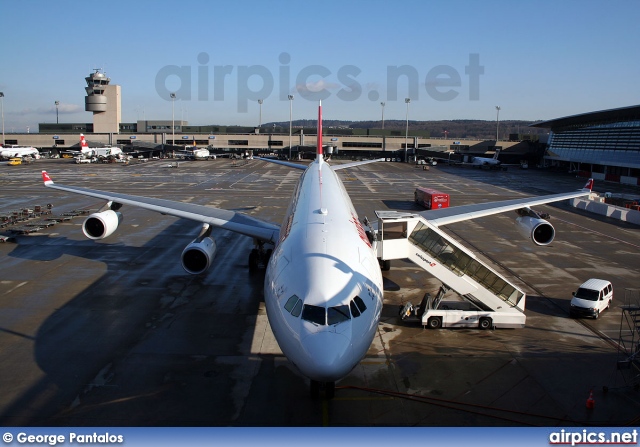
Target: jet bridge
{"x": 495, "y": 300}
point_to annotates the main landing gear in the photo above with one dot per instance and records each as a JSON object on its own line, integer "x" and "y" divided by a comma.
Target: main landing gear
{"x": 329, "y": 389}
{"x": 259, "y": 257}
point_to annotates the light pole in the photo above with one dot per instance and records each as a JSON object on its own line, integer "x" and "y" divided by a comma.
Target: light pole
{"x": 406, "y": 134}
{"x": 2, "y": 109}
{"x": 260, "y": 121}
{"x": 173, "y": 124}
{"x": 57, "y": 104}
{"x": 383, "y": 104}
{"x": 290, "y": 121}
{"x": 497, "y": 122}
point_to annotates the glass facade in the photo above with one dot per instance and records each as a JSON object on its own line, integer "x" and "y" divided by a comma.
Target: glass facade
{"x": 606, "y": 142}
{"x": 615, "y": 144}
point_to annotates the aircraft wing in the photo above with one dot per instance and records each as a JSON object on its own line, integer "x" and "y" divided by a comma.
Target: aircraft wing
{"x": 283, "y": 163}
{"x": 355, "y": 163}
{"x": 454, "y": 214}
{"x": 229, "y": 220}
{"x": 334, "y": 167}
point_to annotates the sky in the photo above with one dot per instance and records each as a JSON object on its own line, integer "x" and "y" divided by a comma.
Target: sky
{"x": 453, "y": 59}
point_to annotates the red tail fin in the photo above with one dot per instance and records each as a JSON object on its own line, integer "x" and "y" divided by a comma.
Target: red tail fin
{"x": 46, "y": 179}
{"x": 589, "y": 185}
{"x": 83, "y": 142}
{"x": 319, "y": 149}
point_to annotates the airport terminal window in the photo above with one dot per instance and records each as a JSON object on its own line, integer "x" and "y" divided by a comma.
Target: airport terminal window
{"x": 338, "y": 314}
{"x": 314, "y": 314}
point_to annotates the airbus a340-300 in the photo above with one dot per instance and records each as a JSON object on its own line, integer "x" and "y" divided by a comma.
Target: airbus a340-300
{"x": 323, "y": 283}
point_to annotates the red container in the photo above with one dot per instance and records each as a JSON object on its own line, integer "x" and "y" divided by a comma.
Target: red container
{"x": 431, "y": 199}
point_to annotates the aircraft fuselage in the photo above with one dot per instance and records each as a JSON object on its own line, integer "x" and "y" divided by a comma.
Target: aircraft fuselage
{"x": 321, "y": 263}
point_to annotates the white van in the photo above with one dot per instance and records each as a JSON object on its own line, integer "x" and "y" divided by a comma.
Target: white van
{"x": 591, "y": 298}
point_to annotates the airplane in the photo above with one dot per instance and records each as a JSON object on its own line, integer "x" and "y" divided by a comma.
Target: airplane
{"x": 98, "y": 152}
{"x": 195, "y": 153}
{"x": 15, "y": 151}
{"x": 494, "y": 163}
{"x": 485, "y": 161}
{"x": 323, "y": 284}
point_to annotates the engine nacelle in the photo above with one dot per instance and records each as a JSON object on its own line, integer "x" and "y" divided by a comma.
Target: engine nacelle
{"x": 198, "y": 255}
{"x": 100, "y": 225}
{"x": 538, "y": 230}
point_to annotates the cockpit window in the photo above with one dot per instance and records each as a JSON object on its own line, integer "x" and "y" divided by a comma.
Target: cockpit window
{"x": 314, "y": 314}
{"x": 354, "y": 309}
{"x": 297, "y": 308}
{"x": 360, "y": 304}
{"x": 291, "y": 302}
{"x": 338, "y": 314}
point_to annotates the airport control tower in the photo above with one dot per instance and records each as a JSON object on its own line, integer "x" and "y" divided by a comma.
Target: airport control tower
{"x": 104, "y": 101}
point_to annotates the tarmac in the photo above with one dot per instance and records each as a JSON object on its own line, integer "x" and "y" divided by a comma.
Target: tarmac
{"x": 116, "y": 333}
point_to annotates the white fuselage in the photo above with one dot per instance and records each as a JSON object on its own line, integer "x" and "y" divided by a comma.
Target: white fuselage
{"x": 485, "y": 161}
{"x": 201, "y": 154}
{"x": 89, "y": 152}
{"x": 19, "y": 151}
{"x": 325, "y": 259}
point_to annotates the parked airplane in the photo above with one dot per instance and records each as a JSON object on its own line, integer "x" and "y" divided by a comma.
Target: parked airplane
{"x": 323, "y": 284}
{"x": 98, "y": 152}
{"x": 194, "y": 153}
{"x": 485, "y": 161}
{"x": 15, "y": 151}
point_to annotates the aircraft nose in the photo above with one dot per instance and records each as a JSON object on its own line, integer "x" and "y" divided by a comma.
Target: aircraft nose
{"x": 328, "y": 356}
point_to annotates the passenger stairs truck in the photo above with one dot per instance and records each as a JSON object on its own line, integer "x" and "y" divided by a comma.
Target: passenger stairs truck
{"x": 489, "y": 299}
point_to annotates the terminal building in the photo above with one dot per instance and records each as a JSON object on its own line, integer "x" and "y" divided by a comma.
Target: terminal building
{"x": 604, "y": 145}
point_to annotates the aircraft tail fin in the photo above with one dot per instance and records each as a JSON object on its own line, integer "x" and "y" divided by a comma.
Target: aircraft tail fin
{"x": 319, "y": 148}
{"x": 46, "y": 179}
{"x": 83, "y": 143}
{"x": 588, "y": 186}
{"x": 495, "y": 156}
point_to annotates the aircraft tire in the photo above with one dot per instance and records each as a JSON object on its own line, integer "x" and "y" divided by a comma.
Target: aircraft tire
{"x": 314, "y": 389}
{"x": 329, "y": 390}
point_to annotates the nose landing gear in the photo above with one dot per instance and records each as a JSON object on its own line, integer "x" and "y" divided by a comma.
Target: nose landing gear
{"x": 329, "y": 389}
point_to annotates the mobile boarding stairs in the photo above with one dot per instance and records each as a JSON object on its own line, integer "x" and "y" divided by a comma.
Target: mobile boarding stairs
{"x": 490, "y": 300}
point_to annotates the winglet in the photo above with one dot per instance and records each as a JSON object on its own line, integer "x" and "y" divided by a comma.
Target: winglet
{"x": 46, "y": 179}
{"x": 588, "y": 186}
{"x": 319, "y": 148}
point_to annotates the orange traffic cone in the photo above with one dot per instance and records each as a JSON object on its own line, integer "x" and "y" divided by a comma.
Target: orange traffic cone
{"x": 590, "y": 401}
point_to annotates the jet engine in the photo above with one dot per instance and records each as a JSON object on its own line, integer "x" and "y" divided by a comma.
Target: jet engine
{"x": 533, "y": 227}
{"x": 102, "y": 224}
{"x": 198, "y": 255}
